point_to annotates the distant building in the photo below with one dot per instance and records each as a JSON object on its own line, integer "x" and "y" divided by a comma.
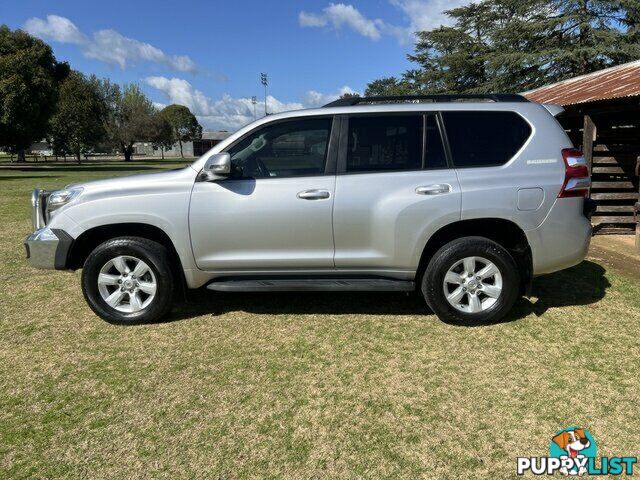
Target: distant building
{"x": 42, "y": 148}
{"x": 207, "y": 142}
{"x": 189, "y": 149}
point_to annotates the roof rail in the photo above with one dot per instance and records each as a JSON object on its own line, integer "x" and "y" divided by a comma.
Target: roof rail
{"x": 494, "y": 97}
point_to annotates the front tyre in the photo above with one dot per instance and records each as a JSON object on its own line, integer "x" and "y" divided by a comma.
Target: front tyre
{"x": 128, "y": 280}
{"x": 471, "y": 281}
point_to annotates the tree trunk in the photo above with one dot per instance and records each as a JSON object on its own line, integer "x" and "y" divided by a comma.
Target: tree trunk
{"x": 584, "y": 34}
{"x": 181, "y": 154}
{"x": 78, "y": 156}
{"x": 162, "y": 150}
{"x": 21, "y": 158}
{"x": 128, "y": 152}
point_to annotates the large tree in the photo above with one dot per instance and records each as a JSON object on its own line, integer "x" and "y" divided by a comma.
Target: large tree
{"x": 78, "y": 123}
{"x": 388, "y": 86}
{"x": 184, "y": 124}
{"x": 129, "y": 116}
{"x": 29, "y": 78}
{"x": 162, "y": 133}
{"x": 513, "y": 46}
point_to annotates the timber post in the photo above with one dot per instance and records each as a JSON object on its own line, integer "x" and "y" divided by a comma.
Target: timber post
{"x": 588, "y": 137}
{"x": 636, "y": 210}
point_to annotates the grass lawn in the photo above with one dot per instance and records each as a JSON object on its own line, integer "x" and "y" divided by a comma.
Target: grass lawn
{"x": 302, "y": 385}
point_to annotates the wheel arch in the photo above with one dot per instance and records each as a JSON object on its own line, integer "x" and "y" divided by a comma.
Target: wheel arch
{"x": 504, "y": 232}
{"x": 86, "y": 242}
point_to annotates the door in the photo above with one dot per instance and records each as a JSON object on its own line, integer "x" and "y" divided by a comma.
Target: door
{"x": 274, "y": 210}
{"x": 395, "y": 187}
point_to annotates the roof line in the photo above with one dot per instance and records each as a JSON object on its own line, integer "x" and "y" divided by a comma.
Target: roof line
{"x": 582, "y": 77}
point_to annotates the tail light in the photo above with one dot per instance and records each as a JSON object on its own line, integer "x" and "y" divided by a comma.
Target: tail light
{"x": 576, "y": 174}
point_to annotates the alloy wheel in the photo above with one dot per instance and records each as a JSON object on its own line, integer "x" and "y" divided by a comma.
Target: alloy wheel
{"x": 472, "y": 285}
{"x": 127, "y": 284}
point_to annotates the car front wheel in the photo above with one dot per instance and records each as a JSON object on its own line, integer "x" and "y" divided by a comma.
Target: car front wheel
{"x": 128, "y": 280}
{"x": 471, "y": 280}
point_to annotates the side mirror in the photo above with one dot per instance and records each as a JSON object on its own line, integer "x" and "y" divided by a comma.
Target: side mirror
{"x": 218, "y": 165}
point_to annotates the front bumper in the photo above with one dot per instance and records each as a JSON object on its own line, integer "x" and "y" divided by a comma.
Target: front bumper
{"x": 48, "y": 248}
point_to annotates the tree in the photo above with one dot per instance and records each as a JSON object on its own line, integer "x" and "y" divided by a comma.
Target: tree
{"x": 184, "y": 124}
{"x": 513, "y": 46}
{"x": 129, "y": 116}
{"x": 29, "y": 77}
{"x": 78, "y": 123}
{"x": 387, "y": 86}
{"x": 162, "y": 133}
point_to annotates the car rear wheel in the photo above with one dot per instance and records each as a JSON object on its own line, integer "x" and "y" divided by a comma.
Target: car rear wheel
{"x": 471, "y": 280}
{"x": 128, "y": 280}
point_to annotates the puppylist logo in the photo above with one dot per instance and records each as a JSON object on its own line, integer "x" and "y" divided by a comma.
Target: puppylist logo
{"x": 573, "y": 451}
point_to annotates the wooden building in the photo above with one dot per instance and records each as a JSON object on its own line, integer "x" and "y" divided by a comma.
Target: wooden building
{"x": 602, "y": 116}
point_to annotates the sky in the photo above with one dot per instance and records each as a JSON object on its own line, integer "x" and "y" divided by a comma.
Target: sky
{"x": 208, "y": 55}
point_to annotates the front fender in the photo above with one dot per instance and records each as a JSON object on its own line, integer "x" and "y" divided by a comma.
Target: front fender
{"x": 161, "y": 201}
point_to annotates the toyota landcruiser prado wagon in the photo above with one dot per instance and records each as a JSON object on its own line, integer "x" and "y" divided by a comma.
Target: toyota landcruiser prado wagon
{"x": 462, "y": 199}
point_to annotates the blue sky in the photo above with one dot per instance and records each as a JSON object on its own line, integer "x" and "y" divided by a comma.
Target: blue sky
{"x": 209, "y": 55}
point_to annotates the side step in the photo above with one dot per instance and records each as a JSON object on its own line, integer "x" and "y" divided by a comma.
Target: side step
{"x": 312, "y": 285}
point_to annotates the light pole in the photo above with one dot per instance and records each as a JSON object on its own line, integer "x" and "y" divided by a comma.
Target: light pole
{"x": 254, "y": 100}
{"x": 265, "y": 82}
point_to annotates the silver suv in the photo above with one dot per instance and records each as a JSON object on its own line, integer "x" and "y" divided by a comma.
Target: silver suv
{"x": 462, "y": 199}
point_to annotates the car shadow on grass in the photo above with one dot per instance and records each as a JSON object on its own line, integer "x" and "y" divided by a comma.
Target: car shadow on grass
{"x": 581, "y": 285}
{"x": 584, "y": 284}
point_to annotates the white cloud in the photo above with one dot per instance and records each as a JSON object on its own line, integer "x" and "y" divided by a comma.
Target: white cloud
{"x": 181, "y": 92}
{"x": 314, "y": 98}
{"x": 312, "y": 20}
{"x": 107, "y": 45}
{"x": 426, "y": 14}
{"x": 339, "y": 14}
{"x": 59, "y": 29}
{"x": 419, "y": 15}
{"x": 230, "y": 113}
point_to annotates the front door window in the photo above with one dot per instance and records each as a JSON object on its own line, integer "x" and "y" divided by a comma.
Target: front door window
{"x": 285, "y": 149}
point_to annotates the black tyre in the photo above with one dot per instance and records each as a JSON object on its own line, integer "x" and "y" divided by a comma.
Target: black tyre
{"x": 129, "y": 280}
{"x": 471, "y": 281}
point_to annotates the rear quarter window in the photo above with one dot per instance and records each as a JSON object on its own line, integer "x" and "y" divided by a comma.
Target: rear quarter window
{"x": 484, "y": 139}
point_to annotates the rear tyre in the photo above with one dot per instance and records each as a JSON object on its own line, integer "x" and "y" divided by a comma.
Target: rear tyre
{"x": 128, "y": 280}
{"x": 471, "y": 281}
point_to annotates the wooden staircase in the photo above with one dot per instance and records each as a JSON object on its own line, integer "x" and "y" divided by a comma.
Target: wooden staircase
{"x": 614, "y": 190}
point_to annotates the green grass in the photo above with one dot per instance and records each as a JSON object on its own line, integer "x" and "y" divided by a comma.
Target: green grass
{"x": 302, "y": 385}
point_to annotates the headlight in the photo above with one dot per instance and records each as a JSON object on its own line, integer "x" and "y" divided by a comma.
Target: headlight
{"x": 61, "y": 197}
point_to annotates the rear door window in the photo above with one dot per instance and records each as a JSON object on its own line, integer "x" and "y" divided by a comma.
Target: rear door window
{"x": 384, "y": 143}
{"x": 484, "y": 139}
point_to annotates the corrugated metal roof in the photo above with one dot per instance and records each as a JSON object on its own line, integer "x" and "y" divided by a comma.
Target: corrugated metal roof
{"x": 615, "y": 82}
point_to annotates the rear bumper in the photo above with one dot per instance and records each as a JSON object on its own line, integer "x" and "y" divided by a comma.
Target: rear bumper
{"x": 48, "y": 248}
{"x": 563, "y": 239}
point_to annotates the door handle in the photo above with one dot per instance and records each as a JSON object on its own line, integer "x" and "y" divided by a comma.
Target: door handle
{"x": 313, "y": 194}
{"x": 437, "y": 189}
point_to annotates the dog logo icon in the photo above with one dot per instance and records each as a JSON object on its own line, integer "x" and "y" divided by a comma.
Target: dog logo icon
{"x": 572, "y": 452}
{"x": 576, "y": 444}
